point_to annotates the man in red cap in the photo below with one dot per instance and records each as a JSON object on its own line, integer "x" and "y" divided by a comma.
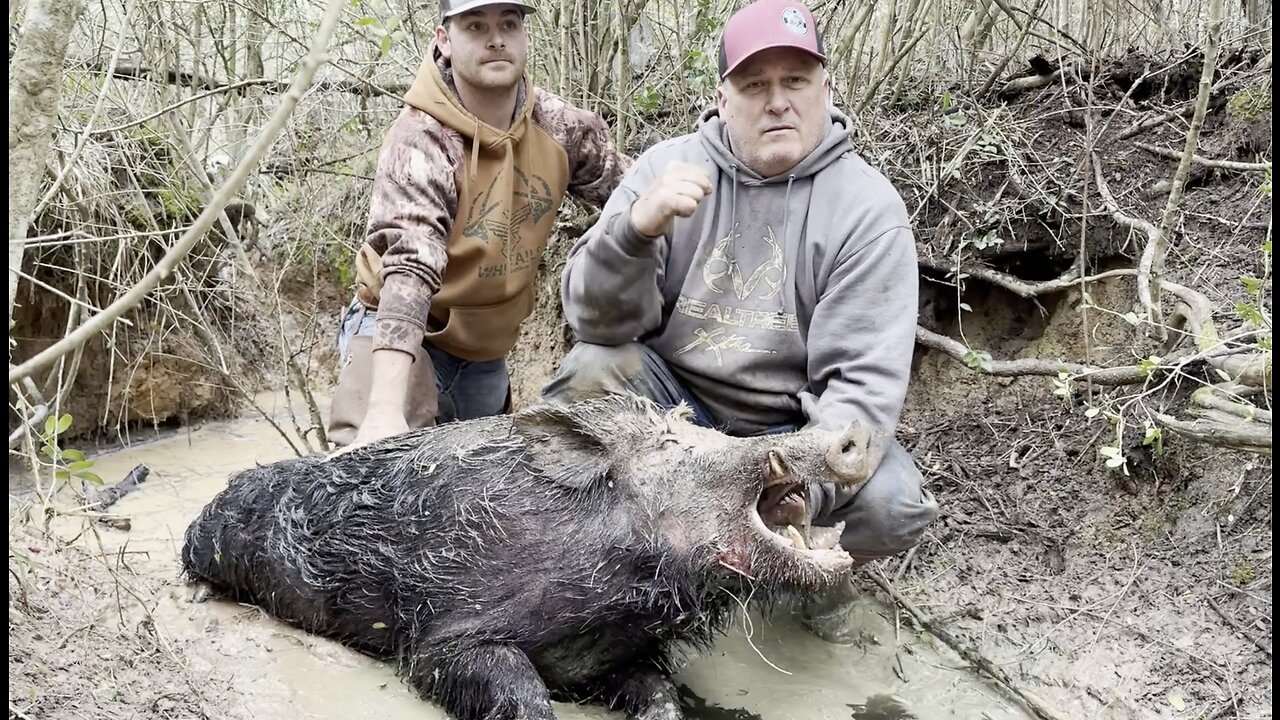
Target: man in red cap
{"x": 762, "y": 272}
{"x": 463, "y": 203}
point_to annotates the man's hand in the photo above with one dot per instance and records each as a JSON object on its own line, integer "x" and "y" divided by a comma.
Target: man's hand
{"x": 380, "y": 423}
{"x": 387, "y": 397}
{"x": 676, "y": 192}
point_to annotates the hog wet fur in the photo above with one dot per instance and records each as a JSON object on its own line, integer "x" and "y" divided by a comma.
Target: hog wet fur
{"x": 574, "y": 547}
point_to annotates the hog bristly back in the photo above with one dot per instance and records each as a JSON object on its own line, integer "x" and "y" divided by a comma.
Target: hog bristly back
{"x": 507, "y": 529}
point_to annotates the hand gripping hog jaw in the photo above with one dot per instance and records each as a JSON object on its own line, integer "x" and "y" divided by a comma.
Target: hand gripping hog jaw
{"x": 560, "y": 552}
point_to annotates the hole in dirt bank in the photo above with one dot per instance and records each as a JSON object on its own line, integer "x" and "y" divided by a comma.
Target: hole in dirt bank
{"x": 991, "y": 319}
{"x": 1036, "y": 265}
{"x": 987, "y": 317}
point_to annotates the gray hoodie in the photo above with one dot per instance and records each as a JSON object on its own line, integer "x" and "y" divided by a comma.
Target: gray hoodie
{"x": 790, "y": 299}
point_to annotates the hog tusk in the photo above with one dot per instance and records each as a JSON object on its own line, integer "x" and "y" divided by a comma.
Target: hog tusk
{"x": 797, "y": 540}
{"x": 777, "y": 469}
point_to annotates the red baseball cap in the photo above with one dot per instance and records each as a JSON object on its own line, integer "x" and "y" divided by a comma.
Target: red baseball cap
{"x": 768, "y": 24}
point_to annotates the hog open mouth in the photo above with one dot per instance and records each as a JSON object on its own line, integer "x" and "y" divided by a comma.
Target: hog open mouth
{"x": 781, "y": 516}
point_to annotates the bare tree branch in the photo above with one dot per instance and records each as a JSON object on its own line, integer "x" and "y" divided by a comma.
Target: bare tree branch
{"x": 193, "y": 80}
{"x": 1153, "y": 257}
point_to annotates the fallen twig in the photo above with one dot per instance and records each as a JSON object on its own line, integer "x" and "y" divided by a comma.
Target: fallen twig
{"x": 970, "y": 654}
{"x": 112, "y": 495}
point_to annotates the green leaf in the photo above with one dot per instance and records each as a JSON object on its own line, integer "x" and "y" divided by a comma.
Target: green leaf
{"x": 379, "y": 626}
{"x": 1252, "y": 285}
{"x": 64, "y": 422}
{"x": 1177, "y": 702}
{"x": 90, "y": 477}
{"x": 1148, "y": 365}
{"x": 1091, "y": 412}
{"x": 366, "y": 22}
{"x": 50, "y": 425}
{"x": 80, "y": 466}
{"x": 1112, "y": 454}
{"x": 385, "y": 46}
{"x": 72, "y": 455}
{"x": 1249, "y": 314}
{"x": 978, "y": 360}
{"x": 62, "y": 474}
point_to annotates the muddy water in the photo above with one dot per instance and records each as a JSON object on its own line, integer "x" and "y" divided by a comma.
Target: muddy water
{"x": 762, "y": 671}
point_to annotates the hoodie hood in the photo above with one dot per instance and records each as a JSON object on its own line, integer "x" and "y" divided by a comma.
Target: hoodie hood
{"x": 433, "y": 92}
{"x": 714, "y": 135}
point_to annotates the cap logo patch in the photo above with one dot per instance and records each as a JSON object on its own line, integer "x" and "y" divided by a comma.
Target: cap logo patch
{"x": 794, "y": 21}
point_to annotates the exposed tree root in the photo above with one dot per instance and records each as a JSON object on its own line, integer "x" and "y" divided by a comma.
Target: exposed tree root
{"x": 1223, "y": 422}
{"x": 1254, "y": 438}
{"x": 1207, "y": 162}
{"x": 1023, "y": 367}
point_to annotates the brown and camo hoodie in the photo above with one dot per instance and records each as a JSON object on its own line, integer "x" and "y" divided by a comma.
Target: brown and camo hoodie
{"x": 461, "y": 213}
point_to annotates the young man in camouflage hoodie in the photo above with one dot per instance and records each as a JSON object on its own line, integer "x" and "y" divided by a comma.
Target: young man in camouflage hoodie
{"x": 464, "y": 200}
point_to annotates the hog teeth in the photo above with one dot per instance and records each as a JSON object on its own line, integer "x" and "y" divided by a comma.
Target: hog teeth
{"x": 797, "y": 540}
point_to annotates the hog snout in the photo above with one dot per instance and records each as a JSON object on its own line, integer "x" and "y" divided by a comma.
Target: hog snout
{"x": 856, "y": 453}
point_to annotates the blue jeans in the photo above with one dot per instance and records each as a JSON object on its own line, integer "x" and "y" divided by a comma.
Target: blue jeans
{"x": 888, "y": 515}
{"x": 468, "y": 390}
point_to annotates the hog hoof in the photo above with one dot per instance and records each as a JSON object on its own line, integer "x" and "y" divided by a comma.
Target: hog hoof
{"x": 662, "y": 710}
{"x": 830, "y": 616}
{"x": 201, "y": 591}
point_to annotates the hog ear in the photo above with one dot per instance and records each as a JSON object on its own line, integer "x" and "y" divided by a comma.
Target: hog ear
{"x": 562, "y": 448}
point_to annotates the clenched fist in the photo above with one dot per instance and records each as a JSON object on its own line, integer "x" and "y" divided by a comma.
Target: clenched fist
{"x": 676, "y": 192}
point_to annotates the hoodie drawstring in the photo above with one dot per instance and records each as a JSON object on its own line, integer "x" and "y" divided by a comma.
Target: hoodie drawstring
{"x": 786, "y": 243}
{"x": 475, "y": 150}
{"x": 786, "y": 208}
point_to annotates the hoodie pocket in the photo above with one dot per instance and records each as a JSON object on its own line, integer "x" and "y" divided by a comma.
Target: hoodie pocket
{"x": 481, "y": 333}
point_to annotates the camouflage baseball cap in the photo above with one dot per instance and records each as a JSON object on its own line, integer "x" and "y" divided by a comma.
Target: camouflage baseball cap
{"x": 449, "y": 8}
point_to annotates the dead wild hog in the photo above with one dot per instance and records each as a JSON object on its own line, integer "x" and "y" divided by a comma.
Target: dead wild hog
{"x": 570, "y": 548}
